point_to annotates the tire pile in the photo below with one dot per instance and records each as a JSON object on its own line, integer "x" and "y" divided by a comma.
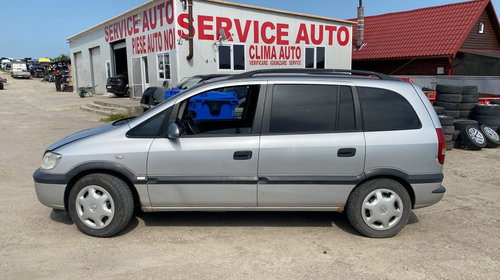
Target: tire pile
{"x": 467, "y": 124}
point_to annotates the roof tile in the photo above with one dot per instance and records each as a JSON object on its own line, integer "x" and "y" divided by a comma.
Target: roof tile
{"x": 433, "y": 31}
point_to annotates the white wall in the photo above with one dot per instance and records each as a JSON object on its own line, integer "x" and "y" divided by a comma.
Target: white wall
{"x": 158, "y": 27}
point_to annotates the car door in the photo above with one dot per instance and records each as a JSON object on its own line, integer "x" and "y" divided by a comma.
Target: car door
{"x": 312, "y": 146}
{"x": 214, "y": 161}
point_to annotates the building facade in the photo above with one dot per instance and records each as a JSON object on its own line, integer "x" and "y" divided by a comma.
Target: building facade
{"x": 154, "y": 43}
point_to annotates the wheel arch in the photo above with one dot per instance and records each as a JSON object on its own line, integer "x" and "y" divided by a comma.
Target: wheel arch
{"x": 113, "y": 169}
{"x": 396, "y": 178}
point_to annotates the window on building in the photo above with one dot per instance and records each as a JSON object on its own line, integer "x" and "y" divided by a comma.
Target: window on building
{"x": 239, "y": 57}
{"x": 163, "y": 65}
{"x": 146, "y": 69}
{"x": 386, "y": 110}
{"x": 320, "y": 57}
{"x": 309, "y": 57}
{"x": 236, "y": 61}
{"x": 315, "y": 57}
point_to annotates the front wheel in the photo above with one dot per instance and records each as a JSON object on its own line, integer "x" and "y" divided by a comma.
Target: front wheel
{"x": 379, "y": 208}
{"x": 101, "y": 205}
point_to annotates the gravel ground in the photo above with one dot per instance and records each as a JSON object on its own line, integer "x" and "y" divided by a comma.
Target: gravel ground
{"x": 454, "y": 239}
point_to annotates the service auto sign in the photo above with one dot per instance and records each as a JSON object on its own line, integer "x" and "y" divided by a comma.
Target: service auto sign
{"x": 151, "y": 30}
{"x": 277, "y": 40}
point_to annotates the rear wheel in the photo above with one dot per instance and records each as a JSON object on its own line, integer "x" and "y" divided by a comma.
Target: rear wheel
{"x": 379, "y": 208}
{"x": 101, "y": 205}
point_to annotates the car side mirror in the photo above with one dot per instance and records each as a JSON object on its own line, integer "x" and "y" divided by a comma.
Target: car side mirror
{"x": 173, "y": 131}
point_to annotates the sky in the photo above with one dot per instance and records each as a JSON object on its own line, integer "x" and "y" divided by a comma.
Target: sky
{"x": 39, "y": 28}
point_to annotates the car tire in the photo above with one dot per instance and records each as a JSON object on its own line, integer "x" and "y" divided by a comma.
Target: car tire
{"x": 447, "y": 105}
{"x": 473, "y": 98}
{"x": 448, "y": 89}
{"x": 465, "y": 114}
{"x": 101, "y": 205}
{"x": 492, "y": 138}
{"x": 448, "y": 129}
{"x": 449, "y": 97}
{"x": 452, "y": 113}
{"x": 450, "y": 145}
{"x": 473, "y": 138}
{"x": 487, "y": 110}
{"x": 487, "y": 120}
{"x": 445, "y": 120}
{"x": 466, "y": 106}
{"x": 379, "y": 208}
{"x": 469, "y": 90}
{"x": 461, "y": 123}
{"x": 439, "y": 110}
{"x": 456, "y": 135}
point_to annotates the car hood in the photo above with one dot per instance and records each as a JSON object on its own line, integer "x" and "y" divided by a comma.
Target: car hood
{"x": 82, "y": 134}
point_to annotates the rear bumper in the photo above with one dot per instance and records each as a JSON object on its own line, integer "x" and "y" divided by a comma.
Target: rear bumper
{"x": 119, "y": 89}
{"x": 428, "y": 194}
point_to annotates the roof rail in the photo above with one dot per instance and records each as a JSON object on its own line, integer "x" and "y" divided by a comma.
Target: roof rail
{"x": 313, "y": 71}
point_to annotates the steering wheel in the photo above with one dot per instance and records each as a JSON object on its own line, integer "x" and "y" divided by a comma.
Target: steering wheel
{"x": 188, "y": 125}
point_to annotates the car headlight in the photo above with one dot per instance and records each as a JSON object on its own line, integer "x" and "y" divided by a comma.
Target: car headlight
{"x": 50, "y": 160}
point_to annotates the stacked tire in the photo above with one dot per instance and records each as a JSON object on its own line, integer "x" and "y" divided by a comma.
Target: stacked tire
{"x": 449, "y": 97}
{"x": 487, "y": 114}
{"x": 470, "y": 98}
{"x": 448, "y": 129}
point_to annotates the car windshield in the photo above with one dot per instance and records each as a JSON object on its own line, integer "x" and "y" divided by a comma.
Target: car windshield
{"x": 188, "y": 83}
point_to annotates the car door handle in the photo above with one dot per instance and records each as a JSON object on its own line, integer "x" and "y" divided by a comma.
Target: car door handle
{"x": 242, "y": 155}
{"x": 346, "y": 152}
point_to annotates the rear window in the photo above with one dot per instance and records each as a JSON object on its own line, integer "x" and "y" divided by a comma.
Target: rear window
{"x": 386, "y": 110}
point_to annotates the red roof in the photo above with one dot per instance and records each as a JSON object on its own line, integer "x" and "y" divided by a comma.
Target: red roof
{"x": 434, "y": 31}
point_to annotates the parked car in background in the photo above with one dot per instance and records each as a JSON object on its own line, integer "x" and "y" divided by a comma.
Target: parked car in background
{"x": 19, "y": 69}
{"x": 37, "y": 70}
{"x": 118, "y": 85}
{"x": 317, "y": 142}
{"x": 151, "y": 98}
{"x": 190, "y": 82}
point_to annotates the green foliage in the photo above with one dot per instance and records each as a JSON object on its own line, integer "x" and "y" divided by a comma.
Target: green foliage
{"x": 114, "y": 117}
{"x": 61, "y": 57}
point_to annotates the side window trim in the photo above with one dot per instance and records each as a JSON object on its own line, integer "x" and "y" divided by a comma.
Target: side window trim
{"x": 257, "y": 123}
{"x": 162, "y": 129}
{"x": 360, "y": 112}
{"x": 266, "y": 121}
{"x": 357, "y": 109}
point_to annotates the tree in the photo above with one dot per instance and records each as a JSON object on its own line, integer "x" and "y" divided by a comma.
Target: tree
{"x": 61, "y": 57}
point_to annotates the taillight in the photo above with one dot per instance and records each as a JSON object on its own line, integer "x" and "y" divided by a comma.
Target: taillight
{"x": 441, "y": 145}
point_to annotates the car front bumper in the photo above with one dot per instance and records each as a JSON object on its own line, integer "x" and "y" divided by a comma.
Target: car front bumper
{"x": 48, "y": 193}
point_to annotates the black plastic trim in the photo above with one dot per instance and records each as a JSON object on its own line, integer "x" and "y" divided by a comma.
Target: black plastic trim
{"x": 203, "y": 180}
{"x": 312, "y": 71}
{"x": 313, "y": 180}
{"x": 44, "y": 178}
{"x": 412, "y": 179}
{"x": 439, "y": 190}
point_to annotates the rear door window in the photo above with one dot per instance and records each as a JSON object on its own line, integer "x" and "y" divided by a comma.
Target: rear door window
{"x": 385, "y": 110}
{"x": 303, "y": 108}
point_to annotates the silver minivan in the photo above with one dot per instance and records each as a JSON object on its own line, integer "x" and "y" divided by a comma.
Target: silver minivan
{"x": 269, "y": 140}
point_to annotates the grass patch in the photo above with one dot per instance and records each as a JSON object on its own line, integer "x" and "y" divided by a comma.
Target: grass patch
{"x": 114, "y": 117}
